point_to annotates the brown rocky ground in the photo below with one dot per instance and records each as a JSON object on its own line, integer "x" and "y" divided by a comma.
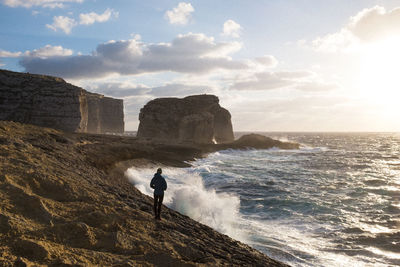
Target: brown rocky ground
{"x": 65, "y": 202}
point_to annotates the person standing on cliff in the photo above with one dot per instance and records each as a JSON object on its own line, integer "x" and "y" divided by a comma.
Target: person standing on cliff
{"x": 159, "y": 185}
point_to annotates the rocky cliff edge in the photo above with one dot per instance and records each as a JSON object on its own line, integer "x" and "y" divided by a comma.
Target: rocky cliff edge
{"x": 65, "y": 202}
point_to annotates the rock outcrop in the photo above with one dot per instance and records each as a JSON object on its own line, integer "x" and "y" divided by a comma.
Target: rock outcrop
{"x": 198, "y": 119}
{"x": 257, "y": 141}
{"x": 51, "y": 102}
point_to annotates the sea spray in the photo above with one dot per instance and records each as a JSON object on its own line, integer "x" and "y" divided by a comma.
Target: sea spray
{"x": 186, "y": 193}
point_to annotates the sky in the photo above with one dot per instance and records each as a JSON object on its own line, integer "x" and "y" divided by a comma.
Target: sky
{"x": 288, "y": 65}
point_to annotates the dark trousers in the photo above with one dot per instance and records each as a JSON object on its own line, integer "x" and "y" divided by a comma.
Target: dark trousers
{"x": 158, "y": 199}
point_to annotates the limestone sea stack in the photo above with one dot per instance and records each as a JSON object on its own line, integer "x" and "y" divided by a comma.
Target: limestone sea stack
{"x": 197, "y": 119}
{"x": 51, "y": 102}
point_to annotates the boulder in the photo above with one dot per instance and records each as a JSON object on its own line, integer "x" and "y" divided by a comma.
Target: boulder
{"x": 258, "y": 141}
{"x": 198, "y": 119}
{"x": 51, "y": 102}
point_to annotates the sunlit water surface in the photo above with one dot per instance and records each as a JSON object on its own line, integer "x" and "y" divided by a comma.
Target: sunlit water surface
{"x": 334, "y": 202}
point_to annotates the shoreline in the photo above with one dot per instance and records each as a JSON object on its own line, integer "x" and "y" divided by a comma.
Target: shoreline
{"x": 65, "y": 202}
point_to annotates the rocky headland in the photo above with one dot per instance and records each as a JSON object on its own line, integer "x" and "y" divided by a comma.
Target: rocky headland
{"x": 51, "y": 102}
{"x": 65, "y": 202}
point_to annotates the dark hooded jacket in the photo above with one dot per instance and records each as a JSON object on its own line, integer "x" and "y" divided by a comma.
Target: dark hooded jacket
{"x": 159, "y": 184}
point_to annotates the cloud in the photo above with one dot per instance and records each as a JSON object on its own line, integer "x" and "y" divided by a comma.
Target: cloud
{"x": 343, "y": 41}
{"x": 290, "y": 106}
{"x": 120, "y": 89}
{"x": 43, "y": 52}
{"x": 316, "y": 86}
{"x": 92, "y": 17}
{"x": 40, "y": 3}
{"x": 272, "y": 80}
{"x": 302, "y": 113}
{"x": 267, "y": 60}
{"x": 49, "y": 51}
{"x": 301, "y": 80}
{"x": 66, "y": 23}
{"x": 375, "y": 23}
{"x": 9, "y": 54}
{"x": 180, "y": 14}
{"x": 232, "y": 29}
{"x": 369, "y": 25}
{"x": 62, "y": 23}
{"x": 190, "y": 53}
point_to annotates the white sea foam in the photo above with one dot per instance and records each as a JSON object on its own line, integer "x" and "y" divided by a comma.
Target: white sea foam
{"x": 291, "y": 241}
{"x": 389, "y": 254}
{"x": 186, "y": 193}
{"x": 313, "y": 149}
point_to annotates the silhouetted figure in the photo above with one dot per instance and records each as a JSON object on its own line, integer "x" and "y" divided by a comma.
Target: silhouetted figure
{"x": 159, "y": 185}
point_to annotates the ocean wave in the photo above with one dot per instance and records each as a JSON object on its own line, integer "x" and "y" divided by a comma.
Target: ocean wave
{"x": 186, "y": 193}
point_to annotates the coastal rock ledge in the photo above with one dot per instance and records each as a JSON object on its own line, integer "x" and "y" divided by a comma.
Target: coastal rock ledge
{"x": 51, "y": 102}
{"x": 65, "y": 202}
{"x": 198, "y": 119}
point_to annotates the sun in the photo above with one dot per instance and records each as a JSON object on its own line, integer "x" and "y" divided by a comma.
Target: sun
{"x": 379, "y": 75}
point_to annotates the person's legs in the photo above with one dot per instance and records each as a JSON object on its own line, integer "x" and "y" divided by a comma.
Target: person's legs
{"x": 159, "y": 203}
{"x": 155, "y": 206}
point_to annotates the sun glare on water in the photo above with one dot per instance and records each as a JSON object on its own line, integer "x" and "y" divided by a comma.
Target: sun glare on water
{"x": 379, "y": 78}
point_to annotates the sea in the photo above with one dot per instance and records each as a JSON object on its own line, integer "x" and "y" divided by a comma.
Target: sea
{"x": 333, "y": 202}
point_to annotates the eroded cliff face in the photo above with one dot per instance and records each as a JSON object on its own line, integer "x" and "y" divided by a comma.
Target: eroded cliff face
{"x": 51, "y": 102}
{"x": 105, "y": 114}
{"x": 198, "y": 119}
